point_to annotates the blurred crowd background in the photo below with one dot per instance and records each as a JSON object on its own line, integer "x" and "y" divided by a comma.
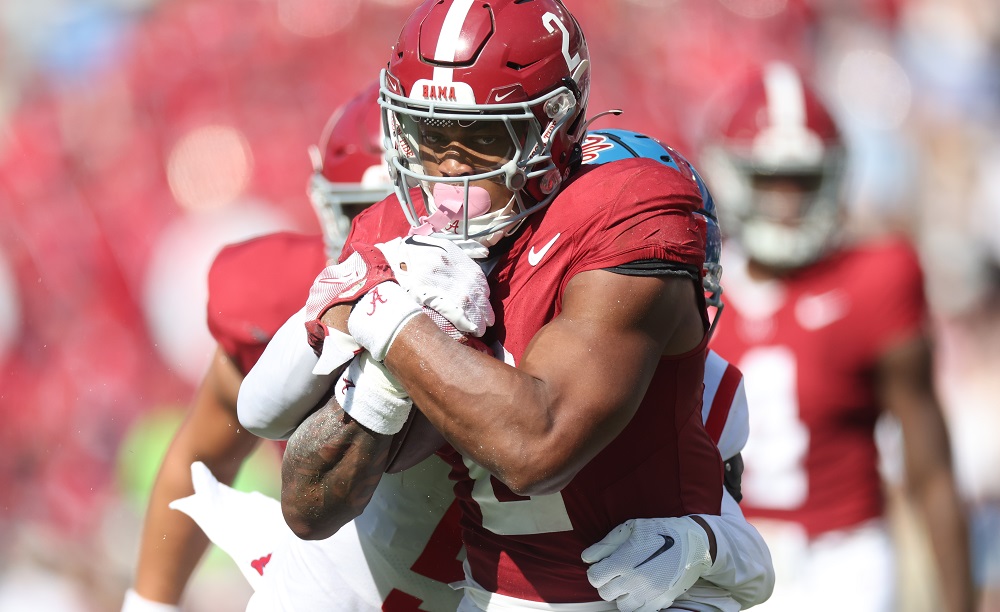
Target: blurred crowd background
{"x": 139, "y": 136}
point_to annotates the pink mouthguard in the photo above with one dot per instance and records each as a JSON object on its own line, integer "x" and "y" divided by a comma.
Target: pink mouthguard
{"x": 449, "y": 200}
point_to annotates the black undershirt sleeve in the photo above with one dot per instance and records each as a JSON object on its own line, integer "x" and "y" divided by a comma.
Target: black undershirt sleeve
{"x": 657, "y": 267}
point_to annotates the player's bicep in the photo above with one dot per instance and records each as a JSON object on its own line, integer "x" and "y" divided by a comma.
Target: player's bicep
{"x": 599, "y": 354}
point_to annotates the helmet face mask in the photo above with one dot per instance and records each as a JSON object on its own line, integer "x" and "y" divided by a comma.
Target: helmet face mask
{"x": 487, "y": 96}
{"x": 337, "y": 203}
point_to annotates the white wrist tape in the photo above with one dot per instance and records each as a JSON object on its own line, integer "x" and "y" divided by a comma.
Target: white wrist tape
{"x": 379, "y": 316}
{"x": 135, "y": 602}
{"x": 338, "y": 349}
{"x": 373, "y": 396}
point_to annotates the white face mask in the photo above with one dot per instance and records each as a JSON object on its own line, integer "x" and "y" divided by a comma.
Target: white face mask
{"x": 778, "y": 245}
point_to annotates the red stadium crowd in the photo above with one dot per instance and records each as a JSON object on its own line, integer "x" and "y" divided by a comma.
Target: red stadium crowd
{"x": 199, "y": 129}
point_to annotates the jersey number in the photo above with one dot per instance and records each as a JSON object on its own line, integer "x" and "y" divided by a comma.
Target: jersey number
{"x": 520, "y": 516}
{"x": 775, "y": 454}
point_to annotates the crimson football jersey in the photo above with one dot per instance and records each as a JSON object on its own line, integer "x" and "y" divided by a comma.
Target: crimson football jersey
{"x": 255, "y": 285}
{"x": 664, "y": 463}
{"x": 808, "y": 346}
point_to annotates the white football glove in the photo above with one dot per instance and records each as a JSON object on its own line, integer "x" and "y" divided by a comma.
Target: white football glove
{"x": 373, "y": 396}
{"x": 247, "y": 526}
{"x": 645, "y": 564}
{"x": 442, "y": 277}
{"x": 379, "y": 316}
{"x": 341, "y": 283}
{"x": 348, "y": 280}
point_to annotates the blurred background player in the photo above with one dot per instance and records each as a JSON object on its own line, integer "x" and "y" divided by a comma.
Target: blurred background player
{"x": 348, "y": 173}
{"x": 831, "y": 334}
{"x": 253, "y": 289}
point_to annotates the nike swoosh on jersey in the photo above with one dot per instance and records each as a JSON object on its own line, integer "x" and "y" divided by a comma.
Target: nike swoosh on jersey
{"x": 535, "y": 257}
{"x": 668, "y": 543}
{"x": 819, "y": 310}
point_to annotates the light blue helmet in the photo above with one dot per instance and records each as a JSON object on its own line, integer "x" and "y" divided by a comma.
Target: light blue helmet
{"x": 603, "y": 146}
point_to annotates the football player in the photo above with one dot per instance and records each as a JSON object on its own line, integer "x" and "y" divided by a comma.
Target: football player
{"x": 593, "y": 414}
{"x": 402, "y": 552}
{"x": 831, "y": 334}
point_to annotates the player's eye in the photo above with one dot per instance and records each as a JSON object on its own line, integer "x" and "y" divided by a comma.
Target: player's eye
{"x": 431, "y": 138}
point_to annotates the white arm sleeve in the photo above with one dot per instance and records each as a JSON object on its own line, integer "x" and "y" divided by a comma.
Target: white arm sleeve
{"x": 280, "y": 391}
{"x": 742, "y": 560}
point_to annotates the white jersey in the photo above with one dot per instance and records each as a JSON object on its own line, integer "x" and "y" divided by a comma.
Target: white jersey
{"x": 383, "y": 560}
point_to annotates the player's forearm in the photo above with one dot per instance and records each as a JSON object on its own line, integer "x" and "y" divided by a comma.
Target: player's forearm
{"x": 945, "y": 518}
{"x": 472, "y": 398}
{"x": 167, "y": 558}
{"x": 906, "y": 387}
{"x": 931, "y": 485}
{"x": 329, "y": 472}
{"x": 742, "y": 562}
{"x": 172, "y": 544}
